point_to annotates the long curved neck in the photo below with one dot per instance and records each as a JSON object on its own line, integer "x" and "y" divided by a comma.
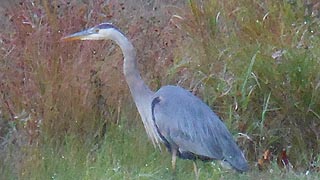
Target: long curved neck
{"x": 139, "y": 90}
{"x": 141, "y": 93}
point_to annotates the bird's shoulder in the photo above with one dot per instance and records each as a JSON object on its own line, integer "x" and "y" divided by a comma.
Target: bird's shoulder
{"x": 175, "y": 94}
{"x": 183, "y": 119}
{"x": 181, "y": 104}
{"x": 178, "y": 110}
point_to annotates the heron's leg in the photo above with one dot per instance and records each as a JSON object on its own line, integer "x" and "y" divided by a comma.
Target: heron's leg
{"x": 196, "y": 170}
{"x": 174, "y": 159}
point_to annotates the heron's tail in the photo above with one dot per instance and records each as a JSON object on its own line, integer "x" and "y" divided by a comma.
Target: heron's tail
{"x": 238, "y": 163}
{"x": 234, "y": 156}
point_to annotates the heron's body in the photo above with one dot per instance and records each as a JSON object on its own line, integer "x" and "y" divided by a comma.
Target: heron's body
{"x": 172, "y": 115}
{"x": 192, "y": 128}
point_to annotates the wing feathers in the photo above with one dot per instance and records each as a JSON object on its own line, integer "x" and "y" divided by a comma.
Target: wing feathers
{"x": 189, "y": 125}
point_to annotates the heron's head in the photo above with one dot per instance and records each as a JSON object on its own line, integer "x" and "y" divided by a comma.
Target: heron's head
{"x": 99, "y": 32}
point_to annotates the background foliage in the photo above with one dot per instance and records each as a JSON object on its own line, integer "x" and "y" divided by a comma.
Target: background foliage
{"x": 66, "y": 112}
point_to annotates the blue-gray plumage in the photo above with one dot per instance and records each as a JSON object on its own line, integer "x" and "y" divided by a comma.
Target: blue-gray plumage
{"x": 172, "y": 115}
{"x": 190, "y": 127}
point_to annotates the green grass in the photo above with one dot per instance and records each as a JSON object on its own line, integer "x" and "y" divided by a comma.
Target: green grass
{"x": 270, "y": 98}
{"x": 124, "y": 153}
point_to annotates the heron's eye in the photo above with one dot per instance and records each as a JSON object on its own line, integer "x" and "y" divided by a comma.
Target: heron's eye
{"x": 96, "y": 30}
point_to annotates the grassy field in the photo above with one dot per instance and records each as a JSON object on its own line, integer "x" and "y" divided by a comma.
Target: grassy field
{"x": 66, "y": 111}
{"x": 121, "y": 154}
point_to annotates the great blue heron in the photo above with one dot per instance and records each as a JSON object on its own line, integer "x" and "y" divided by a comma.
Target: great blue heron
{"x": 172, "y": 115}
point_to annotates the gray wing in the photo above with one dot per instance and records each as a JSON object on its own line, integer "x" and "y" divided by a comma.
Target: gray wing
{"x": 189, "y": 125}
